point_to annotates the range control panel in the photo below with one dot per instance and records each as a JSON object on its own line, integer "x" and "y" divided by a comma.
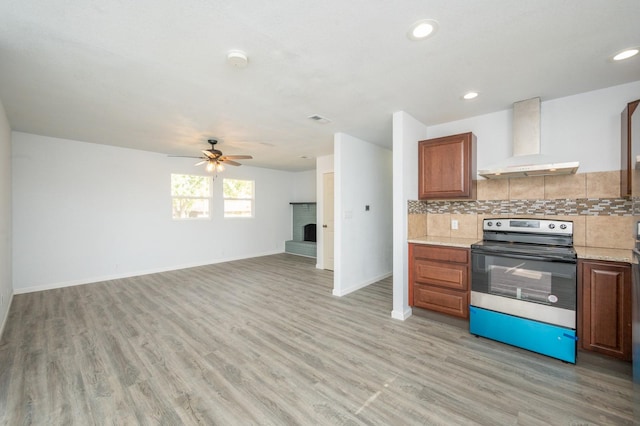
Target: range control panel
{"x": 536, "y": 226}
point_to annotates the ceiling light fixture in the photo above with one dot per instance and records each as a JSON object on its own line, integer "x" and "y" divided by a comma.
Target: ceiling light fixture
{"x": 626, "y": 54}
{"x": 470, "y": 95}
{"x": 237, "y": 59}
{"x": 422, "y": 29}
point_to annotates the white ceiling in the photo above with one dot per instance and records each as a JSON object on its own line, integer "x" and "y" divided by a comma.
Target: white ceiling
{"x": 152, "y": 74}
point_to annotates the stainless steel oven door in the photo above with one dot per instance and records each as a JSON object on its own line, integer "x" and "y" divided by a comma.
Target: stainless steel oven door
{"x": 531, "y": 287}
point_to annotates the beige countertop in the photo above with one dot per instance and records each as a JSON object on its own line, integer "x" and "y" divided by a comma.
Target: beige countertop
{"x": 598, "y": 253}
{"x": 444, "y": 241}
{"x": 590, "y": 253}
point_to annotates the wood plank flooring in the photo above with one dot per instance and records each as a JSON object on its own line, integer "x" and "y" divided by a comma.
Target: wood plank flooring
{"x": 263, "y": 342}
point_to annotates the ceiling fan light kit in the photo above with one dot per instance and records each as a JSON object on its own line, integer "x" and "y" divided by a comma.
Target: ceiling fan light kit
{"x": 215, "y": 160}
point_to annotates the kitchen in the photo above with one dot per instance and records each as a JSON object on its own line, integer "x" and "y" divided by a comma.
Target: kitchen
{"x": 583, "y": 128}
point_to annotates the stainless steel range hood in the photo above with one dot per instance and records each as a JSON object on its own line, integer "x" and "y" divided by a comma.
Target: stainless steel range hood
{"x": 527, "y": 160}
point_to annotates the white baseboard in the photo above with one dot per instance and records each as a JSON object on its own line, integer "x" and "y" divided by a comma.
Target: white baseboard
{"x": 301, "y": 255}
{"x": 98, "y": 279}
{"x": 353, "y": 288}
{"x": 401, "y": 315}
{"x": 6, "y": 316}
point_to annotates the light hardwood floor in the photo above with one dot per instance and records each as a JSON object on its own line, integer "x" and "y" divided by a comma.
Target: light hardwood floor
{"x": 262, "y": 341}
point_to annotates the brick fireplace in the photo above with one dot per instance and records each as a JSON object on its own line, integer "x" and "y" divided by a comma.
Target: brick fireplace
{"x": 304, "y": 227}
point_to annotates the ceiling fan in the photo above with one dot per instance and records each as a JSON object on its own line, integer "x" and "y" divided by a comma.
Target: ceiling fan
{"x": 214, "y": 159}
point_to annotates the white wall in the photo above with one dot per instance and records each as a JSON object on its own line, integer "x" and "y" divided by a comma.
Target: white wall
{"x": 583, "y": 127}
{"x": 6, "y": 288}
{"x": 407, "y": 131}
{"x": 303, "y": 186}
{"x": 85, "y": 213}
{"x": 363, "y": 239}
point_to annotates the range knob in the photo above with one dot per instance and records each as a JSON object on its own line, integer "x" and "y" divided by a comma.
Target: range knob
{"x": 552, "y": 225}
{"x": 563, "y": 226}
{"x": 489, "y": 223}
{"x": 498, "y": 223}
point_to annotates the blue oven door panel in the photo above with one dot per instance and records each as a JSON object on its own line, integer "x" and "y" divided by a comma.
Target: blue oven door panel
{"x": 551, "y": 340}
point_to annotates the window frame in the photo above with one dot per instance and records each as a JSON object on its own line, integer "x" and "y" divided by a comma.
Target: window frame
{"x": 208, "y": 198}
{"x": 252, "y": 199}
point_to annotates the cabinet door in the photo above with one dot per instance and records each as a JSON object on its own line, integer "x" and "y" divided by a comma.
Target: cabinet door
{"x": 628, "y": 151}
{"x": 604, "y": 318}
{"x": 447, "y": 167}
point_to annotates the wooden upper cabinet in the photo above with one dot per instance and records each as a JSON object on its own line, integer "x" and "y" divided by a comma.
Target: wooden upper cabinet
{"x": 629, "y": 150}
{"x": 447, "y": 167}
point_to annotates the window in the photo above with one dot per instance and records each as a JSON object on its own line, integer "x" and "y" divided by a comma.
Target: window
{"x": 238, "y": 198}
{"x": 191, "y": 196}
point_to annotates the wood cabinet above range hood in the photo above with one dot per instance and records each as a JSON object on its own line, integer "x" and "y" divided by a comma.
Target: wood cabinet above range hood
{"x": 527, "y": 159}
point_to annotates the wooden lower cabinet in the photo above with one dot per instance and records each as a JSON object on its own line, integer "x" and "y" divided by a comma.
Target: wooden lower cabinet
{"x": 439, "y": 279}
{"x": 604, "y": 308}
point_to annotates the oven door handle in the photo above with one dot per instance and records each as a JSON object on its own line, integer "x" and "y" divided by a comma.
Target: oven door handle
{"x": 550, "y": 258}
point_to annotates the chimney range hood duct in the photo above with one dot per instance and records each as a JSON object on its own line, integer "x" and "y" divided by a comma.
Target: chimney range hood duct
{"x": 527, "y": 160}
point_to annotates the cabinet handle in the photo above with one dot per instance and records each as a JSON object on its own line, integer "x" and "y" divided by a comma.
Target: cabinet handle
{"x": 324, "y": 226}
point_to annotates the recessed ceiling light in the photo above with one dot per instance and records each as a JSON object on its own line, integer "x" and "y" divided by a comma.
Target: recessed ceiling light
{"x": 470, "y": 95}
{"x": 422, "y": 29}
{"x": 625, "y": 54}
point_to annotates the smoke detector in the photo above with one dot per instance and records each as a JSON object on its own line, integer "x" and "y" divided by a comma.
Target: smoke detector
{"x": 237, "y": 59}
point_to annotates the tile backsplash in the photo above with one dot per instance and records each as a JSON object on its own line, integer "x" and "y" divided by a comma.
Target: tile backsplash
{"x": 590, "y": 200}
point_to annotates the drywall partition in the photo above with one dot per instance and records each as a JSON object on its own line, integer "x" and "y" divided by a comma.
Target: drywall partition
{"x": 363, "y": 214}
{"x": 324, "y": 165}
{"x": 6, "y": 287}
{"x": 407, "y": 131}
{"x": 94, "y": 212}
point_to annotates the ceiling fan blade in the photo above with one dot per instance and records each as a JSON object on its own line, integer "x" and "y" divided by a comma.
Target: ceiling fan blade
{"x": 182, "y": 156}
{"x": 201, "y": 162}
{"x": 208, "y": 153}
{"x": 237, "y": 157}
{"x": 230, "y": 162}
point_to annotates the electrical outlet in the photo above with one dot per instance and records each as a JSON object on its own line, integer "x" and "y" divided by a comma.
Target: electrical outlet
{"x": 454, "y": 224}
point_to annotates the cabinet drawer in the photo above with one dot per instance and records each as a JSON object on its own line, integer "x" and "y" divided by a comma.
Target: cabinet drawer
{"x": 441, "y": 300}
{"x": 448, "y": 275}
{"x": 446, "y": 254}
